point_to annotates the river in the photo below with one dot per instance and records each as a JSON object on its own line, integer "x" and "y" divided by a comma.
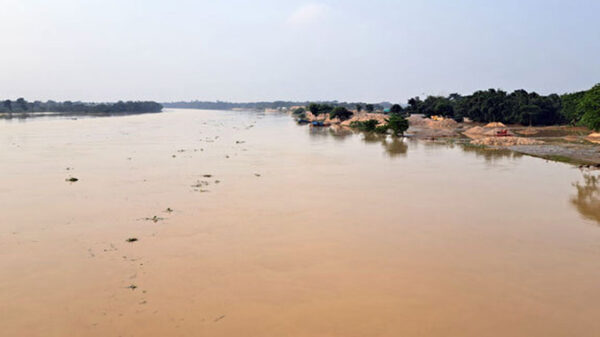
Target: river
{"x": 250, "y": 225}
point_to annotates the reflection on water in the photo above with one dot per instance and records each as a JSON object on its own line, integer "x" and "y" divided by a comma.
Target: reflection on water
{"x": 393, "y": 146}
{"x": 491, "y": 155}
{"x": 587, "y": 199}
{"x": 335, "y": 132}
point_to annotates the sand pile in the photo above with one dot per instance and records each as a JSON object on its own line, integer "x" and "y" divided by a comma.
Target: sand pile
{"x": 505, "y": 141}
{"x": 593, "y": 137}
{"x": 362, "y": 117}
{"x": 495, "y": 125}
{"x": 443, "y": 124}
{"x": 419, "y": 121}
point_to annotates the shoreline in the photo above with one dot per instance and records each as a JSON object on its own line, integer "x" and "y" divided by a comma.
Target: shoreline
{"x": 567, "y": 144}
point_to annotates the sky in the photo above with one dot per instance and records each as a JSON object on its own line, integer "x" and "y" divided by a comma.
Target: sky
{"x": 246, "y": 51}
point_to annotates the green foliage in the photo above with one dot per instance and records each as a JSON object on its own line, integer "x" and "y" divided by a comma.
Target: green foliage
{"x": 589, "y": 108}
{"x": 415, "y": 105}
{"x": 367, "y": 126}
{"x": 317, "y": 109}
{"x": 381, "y": 129}
{"x": 314, "y": 108}
{"x": 397, "y": 124}
{"x": 396, "y": 109}
{"x": 519, "y": 107}
{"x": 341, "y": 113}
{"x": 369, "y": 107}
{"x": 359, "y": 107}
{"x": 570, "y": 103}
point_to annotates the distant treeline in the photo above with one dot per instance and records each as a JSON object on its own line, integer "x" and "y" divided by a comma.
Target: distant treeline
{"x": 518, "y": 107}
{"x": 261, "y": 105}
{"x": 22, "y": 106}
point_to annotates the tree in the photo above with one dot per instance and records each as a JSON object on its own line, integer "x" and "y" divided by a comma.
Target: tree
{"x": 444, "y": 108}
{"x": 569, "y": 109}
{"x": 359, "y": 107}
{"x": 589, "y": 108}
{"x": 369, "y": 107}
{"x": 7, "y": 105}
{"x": 21, "y": 105}
{"x": 341, "y": 113}
{"x": 529, "y": 112}
{"x": 397, "y": 124}
{"x": 314, "y": 109}
{"x": 396, "y": 109}
{"x": 414, "y": 105}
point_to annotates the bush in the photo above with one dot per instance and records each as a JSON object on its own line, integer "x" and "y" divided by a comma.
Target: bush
{"x": 397, "y": 124}
{"x": 367, "y": 126}
{"x": 381, "y": 129}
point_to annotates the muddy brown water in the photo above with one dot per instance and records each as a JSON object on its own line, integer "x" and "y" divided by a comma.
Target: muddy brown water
{"x": 309, "y": 232}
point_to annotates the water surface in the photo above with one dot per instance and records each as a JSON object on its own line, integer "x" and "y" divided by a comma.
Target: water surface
{"x": 297, "y": 232}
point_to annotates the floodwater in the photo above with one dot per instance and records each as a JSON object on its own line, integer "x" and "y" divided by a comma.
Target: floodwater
{"x": 297, "y": 232}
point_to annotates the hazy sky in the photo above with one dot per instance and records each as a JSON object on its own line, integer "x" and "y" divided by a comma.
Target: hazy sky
{"x": 103, "y": 50}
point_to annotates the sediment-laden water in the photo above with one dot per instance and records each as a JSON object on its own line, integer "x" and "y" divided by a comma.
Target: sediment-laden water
{"x": 250, "y": 225}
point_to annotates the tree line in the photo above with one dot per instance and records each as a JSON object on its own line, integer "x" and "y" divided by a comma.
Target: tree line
{"x": 519, "y": 107}
{"x": 219, "y": 105}
{"x": 22, "y": 106}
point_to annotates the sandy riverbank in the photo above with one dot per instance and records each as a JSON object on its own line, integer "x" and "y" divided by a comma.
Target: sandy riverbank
{"x": 575, "y": 145}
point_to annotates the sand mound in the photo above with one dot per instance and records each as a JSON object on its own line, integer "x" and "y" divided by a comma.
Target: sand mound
{"x": 495, "y": 125}
{"x": 443, "y": 124}
{"x": 365, "y": 116}
{"x": 505, "y": 141}
{"x": 593, "y": 137}
{"x": 419, "y": 121}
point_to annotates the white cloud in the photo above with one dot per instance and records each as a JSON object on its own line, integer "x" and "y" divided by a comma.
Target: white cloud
{"x": 309, "y": 13}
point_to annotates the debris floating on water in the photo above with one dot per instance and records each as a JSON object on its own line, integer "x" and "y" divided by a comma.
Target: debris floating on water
{"x": 71, "y": 179}
{"x": 154, "y": 219}
{"x": 131, "y": 240}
